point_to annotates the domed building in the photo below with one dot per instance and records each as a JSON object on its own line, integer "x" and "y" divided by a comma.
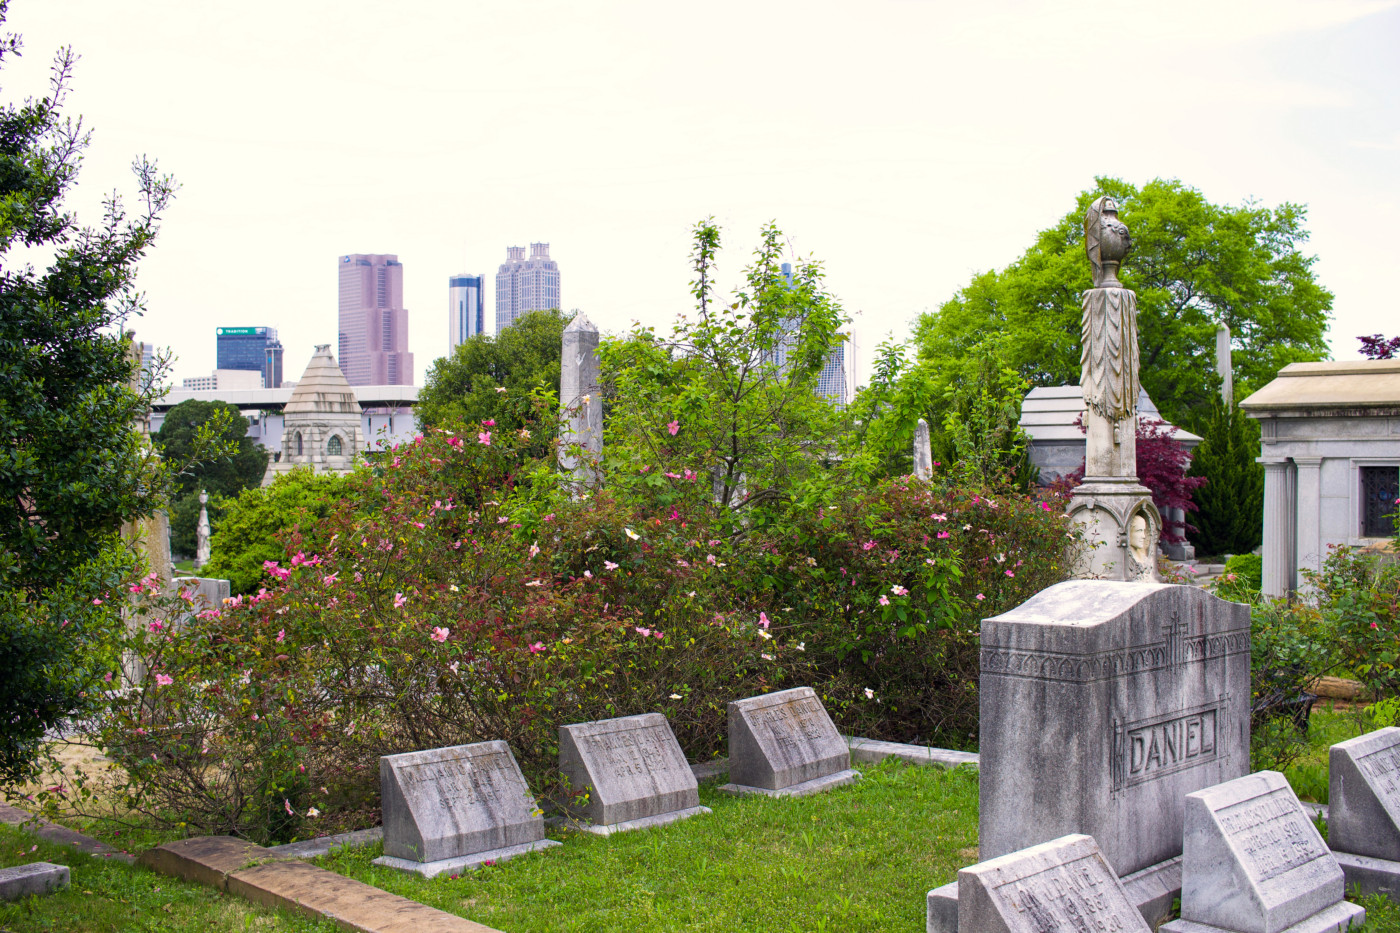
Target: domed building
{"x": 321, "y": 423}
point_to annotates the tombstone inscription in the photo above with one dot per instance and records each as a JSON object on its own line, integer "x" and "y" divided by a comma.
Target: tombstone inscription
{"x": 1064, "y": 884}
{"x": 1363, "y": 819}
{"x": 1254, "y": 863}
{"x": 784, "y": 744}
{"x": 626, "y": 773}
{"x": 456, "y": 808}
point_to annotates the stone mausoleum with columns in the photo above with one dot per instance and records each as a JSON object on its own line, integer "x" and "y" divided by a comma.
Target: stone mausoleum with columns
{"x": 1331, "y": 456}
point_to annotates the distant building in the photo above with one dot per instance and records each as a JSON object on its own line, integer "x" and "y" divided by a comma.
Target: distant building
{"x": 256, "y": 349}
{"x": 373, "y": 321}
{"x": 229, "y": 380}
{"x": 525, "y": 284}
{"x": 466, "y": 308}
{"x": 321, "y": 423}
{"x": 837, "y": 379}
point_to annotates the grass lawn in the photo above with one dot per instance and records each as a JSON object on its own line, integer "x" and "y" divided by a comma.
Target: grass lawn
{"x": 858, "y": 858}
{"x": 1328, "y": 725}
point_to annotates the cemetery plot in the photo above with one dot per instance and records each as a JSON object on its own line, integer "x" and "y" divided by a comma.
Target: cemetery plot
{"x": 1363, "y": 821}
{"x": 784, "y": 744}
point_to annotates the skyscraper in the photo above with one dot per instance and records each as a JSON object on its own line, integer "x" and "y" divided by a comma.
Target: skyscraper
{"x": 525, "y": 284}
{"x": 255, "y": 349}
{"x": 373, "y": 321}
{"x": 837, "y": 378}
{"x": 466, "y": 308}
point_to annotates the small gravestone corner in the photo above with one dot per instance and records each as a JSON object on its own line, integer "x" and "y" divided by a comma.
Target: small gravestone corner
{"x": 1363, "y": 818}
{"x": 784, "y": 744}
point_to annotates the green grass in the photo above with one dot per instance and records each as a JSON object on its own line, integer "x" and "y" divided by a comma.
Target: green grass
{"x": 113, "y": 896}
{"x": 1327, "y": 726}
{"x": 855, "y": 858}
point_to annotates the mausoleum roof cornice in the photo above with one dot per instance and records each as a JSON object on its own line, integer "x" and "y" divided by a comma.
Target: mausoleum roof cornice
{"x": 1353, "y": 387}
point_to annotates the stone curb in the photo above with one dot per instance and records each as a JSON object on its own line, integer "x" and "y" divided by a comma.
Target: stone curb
{"x": 322, "y": 845}
{"x": 235, "y": 866}
{"x": 873, "y": 750}
{"x": 52, "y": 832}
{"x": 34, "y": 878}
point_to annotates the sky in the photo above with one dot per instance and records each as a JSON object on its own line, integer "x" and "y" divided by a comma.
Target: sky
{"x": 905, "y": 144}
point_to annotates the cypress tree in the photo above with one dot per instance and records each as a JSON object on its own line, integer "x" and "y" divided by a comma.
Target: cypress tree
{"x": 1231, "y": 516}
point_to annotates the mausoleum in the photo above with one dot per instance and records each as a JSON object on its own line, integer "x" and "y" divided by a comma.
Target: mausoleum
{"x": 321, "y": 421}
{"x": 1331, "y": 455}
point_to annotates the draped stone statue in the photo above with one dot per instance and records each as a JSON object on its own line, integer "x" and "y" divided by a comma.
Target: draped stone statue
{"x": 1113, "y": 508}
{"x": 202, "y": 532}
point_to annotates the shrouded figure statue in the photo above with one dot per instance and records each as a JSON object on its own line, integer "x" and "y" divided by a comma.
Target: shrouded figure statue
{"x": 1109, "y": 359}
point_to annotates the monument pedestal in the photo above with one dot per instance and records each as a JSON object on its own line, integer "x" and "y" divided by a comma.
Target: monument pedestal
{"x": 1121, "y": 524}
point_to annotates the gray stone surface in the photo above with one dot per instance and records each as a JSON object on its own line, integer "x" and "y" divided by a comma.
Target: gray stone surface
{"x": 1364, "y": 795}
{"x": 783, "y": 738}
{"x": 453, "y": 802}
{"x": 34, "y": 878}
{"x": 626, "y": 769}
{"x": 1102, "y": 705}
{"x": 464, "y": 862}
{"x": 871, "y": 751}
{"x": 580, "y": 401}
{"x": 1370, "y": 875}
{"x": 1254, "y": 862}
{"x": 801, "y": 789}
{"x": 1064, "y": 884}
{"x": 322, "y": 845}
{"x": 923, "y": 451}
{"x": 625, "y": 826}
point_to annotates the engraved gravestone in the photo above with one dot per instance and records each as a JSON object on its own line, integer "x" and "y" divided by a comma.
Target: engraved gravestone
{"x": 1363, "y": 819}
{"x": 626, "y": 773}
{"x": 785, "y": 744}
{"x": 454, "y": 808}
{"x": 1102, "y": 704}
{"x": 1254, "y": 863}
{"x": 1062, "y": 885}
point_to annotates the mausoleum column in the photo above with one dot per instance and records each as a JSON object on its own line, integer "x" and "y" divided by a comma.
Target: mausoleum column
{"x": 1308, "y": 513}
{"x": 1278, "y": 525}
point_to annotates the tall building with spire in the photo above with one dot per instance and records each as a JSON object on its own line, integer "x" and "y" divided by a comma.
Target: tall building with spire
{"x": 525, "y": 284}
{"x": 373, "y": 321}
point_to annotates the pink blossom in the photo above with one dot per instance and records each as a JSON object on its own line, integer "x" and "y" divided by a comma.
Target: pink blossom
{"x": 644, "y": 632}
{"x": 549, "y": 517}
{"x": 884, "y": 600}
{"x": 709, "y": 558}
{"x": 537, "y": 647}
{"x": 287, "y": 803}
{"x": 682, "y": 563}
{"x": 588, "y": 575}
{"x": 97, "y": 602}
{"x": 674, "y": 427}
{"x": 489, "y": 422}
{"x": 107, "y": 677}
{"x": 609, "y": 565}
{"x": 400, "y": 600}
{"x": 454, "y": 442}
{"x": 1045, "y": 506}
{"x": 281, "y": 635}
{"x": 1010, "y": 573}
{"x": 943, "y": 534}
{"x": 763, "y": 620}
{"x": 940, "y": 516}
{"x": 675, "y": 514}
{"x": 534, "y": 549}
{"x": 899, "y": 590}
{"x": 418, "y": 524}
{"x": 155, "y": 625}
{"x": 981, "y": 597}
{"x": 484, "y": 437}
{"x": 330, "y": 580}
{"x": 439, "y": 634}
{"x": 164, "y": 680}
{"x": 673, "y": 475}
{"x": 868, "y": 546}
{"x": 691, "y": 474}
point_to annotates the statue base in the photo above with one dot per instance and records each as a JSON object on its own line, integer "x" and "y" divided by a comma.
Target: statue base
{"x": 1121, "y": 527}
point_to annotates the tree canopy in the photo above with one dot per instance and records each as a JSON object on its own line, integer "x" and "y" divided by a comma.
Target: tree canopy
{"x": 179, "y": 435}
{"x": 1193, "y": 264}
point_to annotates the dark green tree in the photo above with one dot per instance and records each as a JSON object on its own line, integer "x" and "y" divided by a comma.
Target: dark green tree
{"x": 72, "y": 467}
{"x": 1194, "y": 265}
{"x": 1231, "y": 503}
{"x": 187, "y": 426}
{"x": 523, "y": 359}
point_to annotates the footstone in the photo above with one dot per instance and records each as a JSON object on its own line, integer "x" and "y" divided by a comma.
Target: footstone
{"x": 626, "y": 773}
{"x": 34, "y": 878}
{"x": 1102, "y": 704}
{"x": 1064, "y": 884}
{"x": 1363, "y": 823}
{"x": 785, "y": 744}
{"x": 1254, "y": 863}
{"x": 453, "y": 808}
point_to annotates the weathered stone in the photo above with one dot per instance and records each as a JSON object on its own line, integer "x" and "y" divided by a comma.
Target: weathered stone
{"x": 580, "y": 401}
{"x": 873, "y": 750}
{"x": 1102, "y": 705}
{"x": 453, "y": 808}
{"x": 1254, "y": 863}
{"x": 34, "y": 878}
{"x": 784, "y": 743}
{"x": 626, "y": 773}
{"x": 923, "y": 451}
{"x": 1363, "y": 822}
{"x": 1064, "y": 884}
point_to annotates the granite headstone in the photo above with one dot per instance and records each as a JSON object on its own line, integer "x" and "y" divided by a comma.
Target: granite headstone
{"x": 785, "y": 744}
{"x": 1254, "y": 863}
{"x": 1363, "y": 819}
{"x": 456, "y": 808}
{"x": 1062, "y": 885}
{"x": 626, "y": 773}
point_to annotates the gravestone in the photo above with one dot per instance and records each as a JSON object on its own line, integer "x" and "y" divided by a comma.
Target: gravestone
{"x": 1363, "y": 817}
{"x": 626, "y": 773}
{"x": 785, "y": 745}
{"x": 1102, "y": 704}
{"x": 1065, "y": 884}
{"x": 35, "y": 878}
{"x": 1254, "y": 863}
{"x": 448, "y": 809}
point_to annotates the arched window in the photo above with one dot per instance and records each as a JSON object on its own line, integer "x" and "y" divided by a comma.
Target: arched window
{"x": 333, "y": 446}
{"x": 298, "y": 443}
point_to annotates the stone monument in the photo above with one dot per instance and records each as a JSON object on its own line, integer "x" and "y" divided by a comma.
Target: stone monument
{"x": 1115, "y": 511}
{"x": 449, "y": 809}
{"x": 1063, "y": 885}
{"x": 1254, "y": 863}
{"x": 322, "y": 421}
{"x": 784, "y": 744}
{"x": 1102, "y": 704}
{"x": 923, "y": 452}
{"x": 1363, "y": 815}
{"x": 201, "y": 552}
{"x": 626, "y": 773}
{"x": 581, "y": 402}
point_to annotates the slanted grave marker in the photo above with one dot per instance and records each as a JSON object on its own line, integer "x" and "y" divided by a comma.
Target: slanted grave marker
{"x": 785, "y": 744}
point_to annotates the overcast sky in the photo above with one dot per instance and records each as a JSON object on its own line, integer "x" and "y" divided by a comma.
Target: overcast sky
{"x": 906, "y": 144}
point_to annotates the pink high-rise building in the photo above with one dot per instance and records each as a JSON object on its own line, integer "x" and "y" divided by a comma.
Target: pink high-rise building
{"x": 373, "y": 321}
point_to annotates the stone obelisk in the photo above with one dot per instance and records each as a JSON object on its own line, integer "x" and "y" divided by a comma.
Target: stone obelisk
{"x": 923, "y": 452}
{"x": 1114, "y": 510}
{"x": 581, "y": 402}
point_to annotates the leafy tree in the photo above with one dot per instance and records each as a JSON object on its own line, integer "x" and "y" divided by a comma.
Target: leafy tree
{"x": 1231, "y": 516}
{"x": 186, "y": 426}
{"x": 523, "y": 359}
{"x": 260, "y": 524}
{"x": 72, "y": 468}
{"x": 1377, "y": 347}
{"x": 1194, "y": 265}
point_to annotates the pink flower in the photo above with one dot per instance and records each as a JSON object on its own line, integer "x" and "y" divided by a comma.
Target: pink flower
{"x": 155, "y": 625}
{"x": 455, "y": 442}
{"x": 763, "y": 619}
{"x": 164, "y": 680}
{"x": 400, "y": 600}
{"x": 980, "y": 597}
{"x": 549, "y": 517}
{"x": 644, "y": 632}
{"x": 673, "y": 475}
{"x": 943, "y": 534}
{"x": 97, "y": 602}
{"x": 674, "y": 427}
{"x": 588, "y": 575}
{"x": 484, "y": 437}
{"x": 675, "y": 514}
{"x": 287, "y": 803}
{"x": 489, "y": 423}
{"x": 1374, "y": 625}
{"x": 657, "y": 635}
{"x": 107, "y": 677}
{"x": 534, "y": 549}
{"x": 439, "y": 634}
{"x": 281, "y": 634}
{"x": 537, "y": 647}
{"x": 868, "y": 546}
{"x": 709, "y": 558}
{"x": 884, "y": 600}
{"x": 609, "y": 565}
{"x": 940, "y": 516}
{"x": 1010, "y": 573}
{"x": 330, "y": 580}
{"x": 690, "y": 474}
{"x": 1045, "y": 506}
{"x": 418, "y": 524}
{"x": 899, "y": 590}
